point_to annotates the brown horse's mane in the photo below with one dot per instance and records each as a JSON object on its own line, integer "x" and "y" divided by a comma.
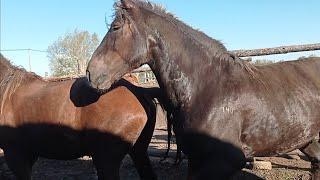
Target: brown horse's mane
{"x": 11, "y": 79}
{"x": 12, "y": 68}
{"x": 215, "y": 47}
{"x": 5, "y": 62}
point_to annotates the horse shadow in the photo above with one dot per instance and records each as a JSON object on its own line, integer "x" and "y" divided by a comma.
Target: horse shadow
{"x": 61, "y": 143}
{"x": 53, "y": 169}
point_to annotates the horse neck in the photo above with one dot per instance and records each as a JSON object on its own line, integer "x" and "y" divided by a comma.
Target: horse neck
{"x": 180, "y": 62}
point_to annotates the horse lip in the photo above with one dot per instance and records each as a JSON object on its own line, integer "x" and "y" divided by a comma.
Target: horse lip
{"x": 99, "y": 83}
{"x": 101, "y": 86}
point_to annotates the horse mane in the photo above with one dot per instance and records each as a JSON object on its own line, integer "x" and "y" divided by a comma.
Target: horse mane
{"x": 9, "y": 82}
{"x": 158, "y": 9}
{"x": 11, "y": 79}
{"x": 215, "y": 48}
{"x": 5, "y": 62}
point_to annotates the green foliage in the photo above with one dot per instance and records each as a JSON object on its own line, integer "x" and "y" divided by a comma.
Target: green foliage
{"x": 69, "y": 55}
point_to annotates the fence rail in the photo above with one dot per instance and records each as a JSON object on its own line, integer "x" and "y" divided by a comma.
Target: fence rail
{"x": 277, "y": 50}
{"x": 262, "y": 52}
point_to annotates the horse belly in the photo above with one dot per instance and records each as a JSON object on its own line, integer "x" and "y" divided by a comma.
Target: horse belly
{"x": 54, "y": 142}
{"x": 266, "y": 133}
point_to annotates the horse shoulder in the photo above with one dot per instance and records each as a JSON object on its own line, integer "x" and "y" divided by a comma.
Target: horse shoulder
{"x": 117, "y": 112}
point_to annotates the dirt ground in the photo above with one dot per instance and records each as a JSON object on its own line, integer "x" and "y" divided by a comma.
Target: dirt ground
{"x": 290, "y": 167}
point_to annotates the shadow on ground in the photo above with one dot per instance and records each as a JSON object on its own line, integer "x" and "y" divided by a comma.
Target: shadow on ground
{"x": 83, "y": 169}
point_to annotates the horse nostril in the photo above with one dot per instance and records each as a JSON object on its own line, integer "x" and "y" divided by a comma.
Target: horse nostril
{"x": 88, "y": 75}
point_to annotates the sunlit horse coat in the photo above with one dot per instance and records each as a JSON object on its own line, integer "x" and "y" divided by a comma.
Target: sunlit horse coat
{"x": 67, "y": 119}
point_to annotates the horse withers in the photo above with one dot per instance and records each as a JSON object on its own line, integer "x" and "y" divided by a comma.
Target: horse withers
{"x": 225, "y": 109}
{"x": 67, "y": 119}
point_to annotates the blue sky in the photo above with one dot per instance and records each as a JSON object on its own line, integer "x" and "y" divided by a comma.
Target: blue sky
{"x": 242, "y": 24}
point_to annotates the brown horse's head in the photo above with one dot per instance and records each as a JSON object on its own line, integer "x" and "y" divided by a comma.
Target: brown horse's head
{"x": 124, "y": 48}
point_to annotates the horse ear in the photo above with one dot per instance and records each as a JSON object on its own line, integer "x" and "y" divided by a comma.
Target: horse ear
{"x": 128, "y": 4}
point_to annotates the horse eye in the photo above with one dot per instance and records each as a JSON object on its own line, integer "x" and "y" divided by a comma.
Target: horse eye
{"x": 115, "y": 28}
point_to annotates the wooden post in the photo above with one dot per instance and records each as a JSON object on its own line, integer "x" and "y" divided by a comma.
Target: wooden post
{"x": 29, "y": 54}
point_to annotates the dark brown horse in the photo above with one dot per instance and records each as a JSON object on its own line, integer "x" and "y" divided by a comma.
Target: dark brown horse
{"x": 224, "y": 107}
{"x": 68, "y": 119}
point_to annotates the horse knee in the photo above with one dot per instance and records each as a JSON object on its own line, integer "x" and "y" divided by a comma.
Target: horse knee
{"x": 312, "y": 150}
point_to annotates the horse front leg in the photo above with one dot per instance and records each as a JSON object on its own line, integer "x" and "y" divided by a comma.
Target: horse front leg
{"x": 210, "y": 158}
{"x": 312, "y": 151}
{"x": 19, "y": 161}
{"x": 139, "y": 152}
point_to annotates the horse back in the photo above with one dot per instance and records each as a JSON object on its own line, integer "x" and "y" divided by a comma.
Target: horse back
{"x": 45, "y": 103}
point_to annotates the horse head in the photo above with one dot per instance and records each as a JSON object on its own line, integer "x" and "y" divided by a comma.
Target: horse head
{"x": 126, "y": 46}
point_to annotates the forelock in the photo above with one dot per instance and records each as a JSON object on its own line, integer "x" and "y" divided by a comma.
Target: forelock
{"x": 146, "y": 5}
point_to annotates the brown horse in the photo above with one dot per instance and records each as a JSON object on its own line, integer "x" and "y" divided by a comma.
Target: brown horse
{"x": 68, "y": 119}
{"x": 224, "y": 108}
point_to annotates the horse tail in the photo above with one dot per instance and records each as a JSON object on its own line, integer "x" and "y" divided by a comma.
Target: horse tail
{"x": 158, "y": 95}
{"x": 167, "y": 106}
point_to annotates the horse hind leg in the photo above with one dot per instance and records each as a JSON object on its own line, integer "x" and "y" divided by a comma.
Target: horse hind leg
{"x": 142, "y": 163}
{"x": 139, "y": 153}
{"x": 108, "y": 160}
{"x": 169, "y": 131}
{"x": 178, "y": 158}
{"x": 312, "y": 151}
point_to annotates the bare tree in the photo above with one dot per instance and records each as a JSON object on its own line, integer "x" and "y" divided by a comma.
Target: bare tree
{"x": 70, "y": 54}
